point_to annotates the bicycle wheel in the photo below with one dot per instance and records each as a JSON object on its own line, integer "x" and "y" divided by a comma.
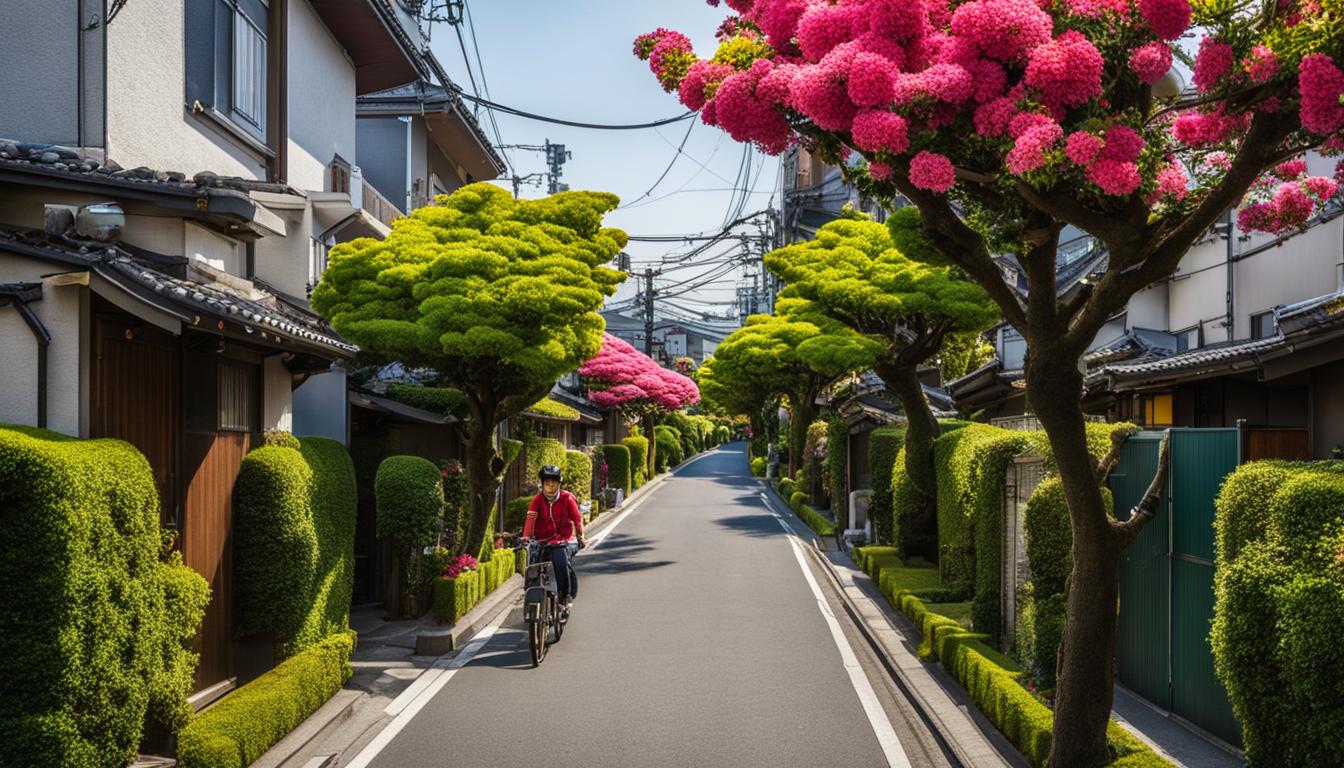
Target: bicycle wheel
{"x": 536, "y": 639}
{"x": 555, "y": 618}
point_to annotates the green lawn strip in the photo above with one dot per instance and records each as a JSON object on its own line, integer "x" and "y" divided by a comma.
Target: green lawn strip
{"x": 992, "y": 679}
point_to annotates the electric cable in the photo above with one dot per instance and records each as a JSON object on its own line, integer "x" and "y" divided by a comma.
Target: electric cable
{"x": 485, "y": 85}
{"x": 572, "y": 123}
{"x": 676, "y": 156}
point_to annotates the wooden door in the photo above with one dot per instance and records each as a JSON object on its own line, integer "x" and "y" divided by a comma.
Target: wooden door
{"x": 135, "y": 397}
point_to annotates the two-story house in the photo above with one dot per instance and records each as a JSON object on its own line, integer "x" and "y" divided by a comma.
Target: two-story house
{"x": 171, "y": 176}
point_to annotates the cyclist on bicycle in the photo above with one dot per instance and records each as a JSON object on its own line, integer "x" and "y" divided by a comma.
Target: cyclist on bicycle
{"x": 553, "y": 518}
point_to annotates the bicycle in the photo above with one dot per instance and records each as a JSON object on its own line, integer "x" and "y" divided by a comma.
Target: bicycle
{"x": 541, "y": 601}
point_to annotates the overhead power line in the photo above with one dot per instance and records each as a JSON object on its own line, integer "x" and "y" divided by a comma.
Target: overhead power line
{"x": 676, "y": 156}
{"x": 572, "y": 123}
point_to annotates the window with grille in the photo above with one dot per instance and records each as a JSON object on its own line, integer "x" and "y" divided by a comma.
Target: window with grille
{"x": 237, "y": 398}
{"x": 226, "y": 61}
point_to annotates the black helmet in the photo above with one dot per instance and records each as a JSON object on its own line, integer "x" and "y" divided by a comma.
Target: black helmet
{"x": 551, "y": 472}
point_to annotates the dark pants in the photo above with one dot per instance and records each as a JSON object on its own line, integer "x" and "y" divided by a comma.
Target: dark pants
{"x": 566, "y": 582}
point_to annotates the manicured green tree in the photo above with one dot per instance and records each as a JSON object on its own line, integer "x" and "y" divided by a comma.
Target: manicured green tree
{"x": 791, "y": 354}
{"x": 857, "y": 271}
{"x": 409, "y": 491}
{"x": 499, "y": 296}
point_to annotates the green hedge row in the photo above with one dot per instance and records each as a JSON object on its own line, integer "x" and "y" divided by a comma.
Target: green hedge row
{"x": 294, "y": 540}
{"x": 578, "y": 468}
{"x": 991, "y": 678}
{"x": 454, "y": 597}
{"x": 814, "y": 519}
{"x": 670, "y": 447}
{"x": 837, "y": 458}
{"x": 96, "y": 629}
{"x": 883, "y": 446}
{"x": 786, "y": 487}
{"x": 758, "y": 466}
{"x": 540, "y": 452}
{"x": 1279, "y": 614}
{"x": 515, "y": 513}
{"x": 618, "y": 466}
{"x": 249, "y": 721}
{"x": 639, "y": 460}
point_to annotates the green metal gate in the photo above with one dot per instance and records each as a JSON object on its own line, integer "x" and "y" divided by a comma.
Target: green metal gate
{"x": 1166, "y": 577}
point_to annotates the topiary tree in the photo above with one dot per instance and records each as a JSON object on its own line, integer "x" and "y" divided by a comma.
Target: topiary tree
{"x": 622, "y": 377}
{"x": 409, "y": 490}
{"x": 792, "y": 354}
{"x": 499, "y": 296}
{"x": 639, "y": 454}
{"x": 858, "y": 272}
{"x": 1004, "y": 121}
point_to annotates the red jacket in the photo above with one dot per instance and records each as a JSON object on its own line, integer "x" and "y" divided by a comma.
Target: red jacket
{"x": 553, "y": 522}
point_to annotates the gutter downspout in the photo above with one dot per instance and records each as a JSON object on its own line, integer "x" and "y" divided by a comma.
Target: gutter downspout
{"x": 410, "y": 170}
{"x": 1231, "y": 271}
{"x": 20, "y": 294}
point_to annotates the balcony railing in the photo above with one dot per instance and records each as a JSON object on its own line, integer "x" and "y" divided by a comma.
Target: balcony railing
{"x": 379, "y": 207}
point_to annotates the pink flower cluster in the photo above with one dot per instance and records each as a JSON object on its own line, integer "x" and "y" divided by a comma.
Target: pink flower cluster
{"x": 1201, "y": 129}
{"x": 1066, "y": 71}
{"x": 1321, "y": 83}
{"x": 463, "y": 562}
{"x": 1151, "y": 61}
{"x": 1214, "y": 60}
{"x": 1095, "y": 9}
{"x": 1111, "y": 164}
{"x": 822, "y": 27}
{"x": 1028, "y": 153}
{"x": 932, "y": 171}
{"x": 1167, "y": 18}
{"x": 1261, "y": 65}
{"x": 746, "y": 115}
{"x": 621, "y": 376}
{"x": 778, "y": 19}
{"x": 1172, "y": 185}
{"x": 695, "y": 88}
{"x": 1005, "y": 30}
{"x": 878, "y": 130}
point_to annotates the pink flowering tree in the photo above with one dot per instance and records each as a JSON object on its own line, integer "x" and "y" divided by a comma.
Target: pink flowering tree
{"x": 620, "y": 376}
{"x": 1003, "y": 121}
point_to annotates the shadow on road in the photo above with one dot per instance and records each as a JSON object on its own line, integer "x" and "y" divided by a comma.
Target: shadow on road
{"x": 619, "y": 553}
{"x": 762, "y": 526}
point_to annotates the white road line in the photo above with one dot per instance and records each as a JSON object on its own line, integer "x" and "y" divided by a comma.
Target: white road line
{"x": 877, "y": 717}
{"x": 408, "y": 704}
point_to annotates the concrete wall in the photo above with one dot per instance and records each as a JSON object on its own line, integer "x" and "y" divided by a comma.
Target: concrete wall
{"x": 277, "y": 410}
{"x": 419, "y": 160}
{"x": 47, "y": 96}
{"x": 283, "y": 261}
{"x": 1198, "y": 291}
{"x": 321, "y": 407}
{"x": 1303, "y": 268}
{"x": 321, "y": 100}
{"x": 148, "y": 120}
{"x": 64, "y": 311}
{"x": 1148, "y": 309}
{"x": 382, "y": 156}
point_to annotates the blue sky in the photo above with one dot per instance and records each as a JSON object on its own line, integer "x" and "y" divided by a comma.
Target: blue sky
{"x": 573, "y": 60}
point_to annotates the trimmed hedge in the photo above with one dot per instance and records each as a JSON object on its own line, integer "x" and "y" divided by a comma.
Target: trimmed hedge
{"x": 246, "y": 723}
{"x": 883, "y": 446}
{"x": 515, "y": 513}
{"x": 639, "y": 459}
{"x": 445, "y": 400}
{"x": 509, "y": 450}
{"x": 96, "y": 630}
{"x": 540, "y": 452}
{"x": 758, "y": 466}
{"x": 618, "y": 466}
{"x": 294, "y": 541}
{"x": 454, "y": 597}
{"x": 410, "y": 500}
{"x": 578, "y": 468}
{"x": 786, "y": 486}
{"x": 669, "y": 447}
{"x": 552, "y": 408}
{"x": 1280, "y": 609}
{"x": 992, "y": 679}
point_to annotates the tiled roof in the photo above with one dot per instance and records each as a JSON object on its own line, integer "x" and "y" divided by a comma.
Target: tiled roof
{"x": 1215, "y": 355}
{"x": 214, "y": 296}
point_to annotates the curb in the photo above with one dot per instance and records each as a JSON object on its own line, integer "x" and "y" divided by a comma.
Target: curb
{"x": 438, "y": 640}
{"x": 949, "y": 724}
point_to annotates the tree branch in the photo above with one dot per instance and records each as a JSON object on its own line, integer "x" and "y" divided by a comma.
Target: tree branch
{"x": 1108, "y": 462}
{"x": 1146, "y": 509}
{"x": 1112, "y": 231}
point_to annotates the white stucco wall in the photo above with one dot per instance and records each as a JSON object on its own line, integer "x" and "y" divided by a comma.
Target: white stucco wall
{"x": 148, "y": 120}
{"x": 1304, "y": 267}
{"x": 277, "y": 409}
{"x": 64, "y": 312}
{"x": 283, "y": 261}
{"x": 1148, "y": 309}
{"x": 321, "y": 100}
{"x": 1198, "y": 290}
{"x": 321, "y": 407}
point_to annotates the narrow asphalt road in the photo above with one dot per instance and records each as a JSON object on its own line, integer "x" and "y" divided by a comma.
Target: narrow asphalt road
{"x": 696, "y": 640}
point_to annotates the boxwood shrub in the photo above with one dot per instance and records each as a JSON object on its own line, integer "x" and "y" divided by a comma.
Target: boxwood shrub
{"x": 758, "y": 466}
{"x": 578, "y": 468}
{"x": 243, "y": 725}
{"x": 410, "y": 500}
{"x": 786, "y": 487}
{"x": 837, "y": 457}
{"x": 454, "y": 597}
{"x": 93, "y": 626}
{"x": 670, "y": 450}
{"x": 883, "y": 446}
{"x": 639, "y": 460}
{"x": 294, "y": 539}
{"x": 816, "y": 521}
{"x": 1279, "y": 610}
{"x": 515, "y": 513}
{"x": 540, "y": 452}
{"x": 618, "y": 466}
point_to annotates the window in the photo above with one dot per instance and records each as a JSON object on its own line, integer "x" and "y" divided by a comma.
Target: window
{"x": 237, "y": 398}
{"x": 226, "y": 52}
{"x": 1262, "y": 325}
{"x": 1187, "y": 340}
{"x": 1157, "y": 411}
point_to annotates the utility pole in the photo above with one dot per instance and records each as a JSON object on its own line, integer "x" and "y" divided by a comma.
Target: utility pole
{"x": 649, "y": 274}
{"x": 556, "y": 157}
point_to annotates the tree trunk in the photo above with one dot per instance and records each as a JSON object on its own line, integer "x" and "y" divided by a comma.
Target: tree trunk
{"x": 1083, "y": 693}
{"x": 483, "y": 480}
{"x": 917, "y": 534}
{"x": 653, "y": 448}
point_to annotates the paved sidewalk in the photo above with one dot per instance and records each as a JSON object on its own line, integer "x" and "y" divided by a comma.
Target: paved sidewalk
{"x": 1178, "y": 744}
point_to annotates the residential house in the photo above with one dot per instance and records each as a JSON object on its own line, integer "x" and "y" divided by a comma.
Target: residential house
{"x": 168, "y": 191}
